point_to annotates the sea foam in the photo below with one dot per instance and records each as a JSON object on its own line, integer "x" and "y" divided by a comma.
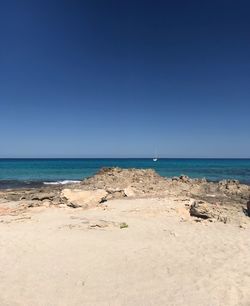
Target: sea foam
{"x": 65, "y": 182}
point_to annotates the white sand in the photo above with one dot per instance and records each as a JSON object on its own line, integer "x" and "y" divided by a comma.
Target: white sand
{"x": 51, "y": 257}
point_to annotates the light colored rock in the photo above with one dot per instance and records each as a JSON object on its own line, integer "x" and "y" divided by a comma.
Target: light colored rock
{"x": 84, "y": 198}
{"x": 115, "y": 194}
{"x": 46, "y": 203}
{"x": 129, "y": 192}
{"x": 202, "y": 210}
{"x": 205, "y": 210}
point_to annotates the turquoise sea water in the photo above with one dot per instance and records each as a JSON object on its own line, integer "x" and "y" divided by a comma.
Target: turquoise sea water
{"x": 34, "y": 172}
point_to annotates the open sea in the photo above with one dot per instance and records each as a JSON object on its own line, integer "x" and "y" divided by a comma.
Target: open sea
{"x": 18, "y": 173}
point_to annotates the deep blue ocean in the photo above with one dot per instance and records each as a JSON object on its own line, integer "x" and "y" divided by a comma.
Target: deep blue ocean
{"x": 15, "y": 173}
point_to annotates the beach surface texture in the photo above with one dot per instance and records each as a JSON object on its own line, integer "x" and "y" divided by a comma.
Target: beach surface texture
{"x": 126, "y": 237}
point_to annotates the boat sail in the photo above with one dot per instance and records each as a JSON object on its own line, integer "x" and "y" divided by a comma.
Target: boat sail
{"x": 155, "y": 156}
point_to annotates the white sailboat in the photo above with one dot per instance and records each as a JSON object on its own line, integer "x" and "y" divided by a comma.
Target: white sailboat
{"x": 155, "y": 157}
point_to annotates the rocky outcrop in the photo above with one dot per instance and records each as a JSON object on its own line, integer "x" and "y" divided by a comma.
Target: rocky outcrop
{"x": 87, "y": 198}
{"x": 248, "y": 208}
{"x": 185, "y": 179}
{"x": 12, "y": 196}
{"x": 218, "y": 212}
{"x": 182, "y": 178}
{"x": 136, "y": 181}
{"x": 204, "y": 210}
{"x": 201, "y": 209}
{"x": 83, "y": 198}
{"x": 34, "y": 197}
{"x": 42, "y": 196}
{"x": 129, "y": 192}
{"x": 233, "y": 187}
{"x": 115, "y": 194}
{"x": 212, "y": 200}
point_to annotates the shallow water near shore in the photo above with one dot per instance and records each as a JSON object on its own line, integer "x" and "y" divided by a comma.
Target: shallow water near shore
{"x": 28, "y": 173}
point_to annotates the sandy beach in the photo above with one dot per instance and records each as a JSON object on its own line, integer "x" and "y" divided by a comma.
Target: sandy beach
{"x": 124, "y": 153}
{"x": 126, "y": 251}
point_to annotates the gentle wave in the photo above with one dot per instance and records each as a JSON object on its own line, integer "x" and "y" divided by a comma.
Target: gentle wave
{"x": 65, "y": 182}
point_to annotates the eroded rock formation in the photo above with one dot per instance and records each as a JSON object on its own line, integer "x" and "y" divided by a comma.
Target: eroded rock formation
{"x": 211, "y": 200}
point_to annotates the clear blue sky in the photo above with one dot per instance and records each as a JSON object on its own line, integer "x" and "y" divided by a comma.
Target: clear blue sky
{"x": 119, "y": 78}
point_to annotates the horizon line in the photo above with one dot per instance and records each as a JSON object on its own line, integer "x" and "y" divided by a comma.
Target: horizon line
{"x": 124, "y": 158}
